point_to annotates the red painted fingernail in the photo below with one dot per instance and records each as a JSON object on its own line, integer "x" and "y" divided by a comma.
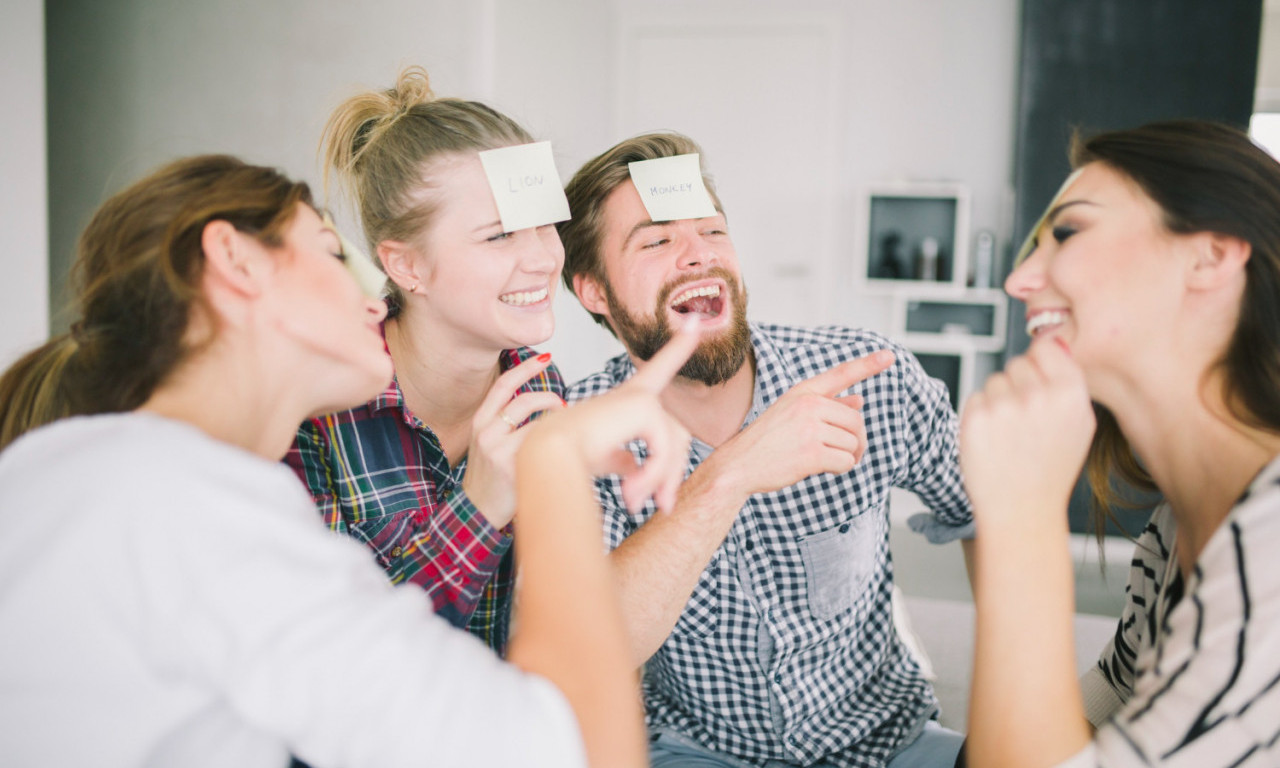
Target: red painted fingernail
{"x": 544, "y": 357}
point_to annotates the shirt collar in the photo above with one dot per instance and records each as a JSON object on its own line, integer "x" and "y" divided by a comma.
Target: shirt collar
{"x": 774, "y": 372}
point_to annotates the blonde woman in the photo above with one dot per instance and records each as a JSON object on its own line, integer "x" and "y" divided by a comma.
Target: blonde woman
{"x": 423, "y": 473}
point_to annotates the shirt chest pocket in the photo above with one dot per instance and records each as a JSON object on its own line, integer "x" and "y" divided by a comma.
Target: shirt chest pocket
{"x": 838, "y": 563}
{"x": 386, "y": 534}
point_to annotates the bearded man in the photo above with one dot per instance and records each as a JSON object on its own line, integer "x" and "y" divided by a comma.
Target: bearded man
{"x": 760, "y": 606}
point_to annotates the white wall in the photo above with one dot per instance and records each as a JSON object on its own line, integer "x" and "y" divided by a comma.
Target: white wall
{"x": 909, "y": 89}
{"x": 134, "y": 83}
{"x": 914, "y": 89}
{"x": 24, "y": 280}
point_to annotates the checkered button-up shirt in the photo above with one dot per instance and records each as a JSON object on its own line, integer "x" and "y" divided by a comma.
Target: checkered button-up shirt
{"x": 380, "y": 475}
{"x": 786, "y": 650}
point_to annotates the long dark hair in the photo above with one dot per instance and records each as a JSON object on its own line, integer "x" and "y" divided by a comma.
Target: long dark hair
{"x": 1205, "y": 177}
{"x": 137, "y": 273}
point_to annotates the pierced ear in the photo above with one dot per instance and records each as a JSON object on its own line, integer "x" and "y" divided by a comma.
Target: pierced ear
{"x": 400, "y": 263}
{"x": 1219, "y": 258}
{"x": 591, "y": 295}
{"x": 231, "y": 260}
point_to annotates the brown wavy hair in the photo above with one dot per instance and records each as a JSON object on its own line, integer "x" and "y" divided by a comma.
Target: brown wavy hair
{"x": 136, "y": 277}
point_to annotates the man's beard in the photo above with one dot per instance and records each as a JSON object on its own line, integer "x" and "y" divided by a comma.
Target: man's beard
{"x": 715, "y": 360}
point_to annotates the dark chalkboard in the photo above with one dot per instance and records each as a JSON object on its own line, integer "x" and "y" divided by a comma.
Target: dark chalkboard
{"x": 1104, "y": 64}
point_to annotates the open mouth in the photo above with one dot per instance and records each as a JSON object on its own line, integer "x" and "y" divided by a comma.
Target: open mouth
{"x": 705, "y": 300}
{"x": 524, "y": 298}
{"x": 1044, "y": 321}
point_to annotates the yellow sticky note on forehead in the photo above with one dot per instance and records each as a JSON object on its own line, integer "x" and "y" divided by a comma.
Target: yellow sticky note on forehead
{"x": 361, "y": 267}
{"x": 1029, "y": 244}
{"x": 526, "y": 185}
{"x": 671, "y": 188}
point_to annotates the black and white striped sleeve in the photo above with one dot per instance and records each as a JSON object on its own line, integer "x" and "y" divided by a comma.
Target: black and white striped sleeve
{"x": 1206, "y": 693}
{"x": 1109, "y": 683}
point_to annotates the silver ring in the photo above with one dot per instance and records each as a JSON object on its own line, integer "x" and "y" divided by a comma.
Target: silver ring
{"x": 503, "y": 415}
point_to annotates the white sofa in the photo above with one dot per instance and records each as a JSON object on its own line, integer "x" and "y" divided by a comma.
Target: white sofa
{"x": 936, "y": 609}
{"x": 944, "y": 629}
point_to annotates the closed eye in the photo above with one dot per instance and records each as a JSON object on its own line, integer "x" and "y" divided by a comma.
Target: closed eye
{"x": 498, "y": 237}
{"x": 340, "y": 256}
{"x": 656, "y": 243}
{"x": 1062, "y": 232}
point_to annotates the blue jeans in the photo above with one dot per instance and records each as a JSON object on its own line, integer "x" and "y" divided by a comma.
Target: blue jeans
{"x": 935, "y": 747}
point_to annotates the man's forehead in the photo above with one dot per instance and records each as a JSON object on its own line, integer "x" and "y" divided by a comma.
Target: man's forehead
{"x": 623, "y": 209}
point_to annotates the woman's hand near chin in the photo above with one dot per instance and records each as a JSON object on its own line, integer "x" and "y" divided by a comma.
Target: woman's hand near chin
{"x": 497, "y": 431}
{"x": 1025, "y": 436}
{"x": 1023, "y": 439}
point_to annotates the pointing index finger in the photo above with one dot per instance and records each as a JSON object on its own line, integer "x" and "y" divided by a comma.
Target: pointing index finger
{"x": 667, "y": 362}
{"x": 839, "y": 378}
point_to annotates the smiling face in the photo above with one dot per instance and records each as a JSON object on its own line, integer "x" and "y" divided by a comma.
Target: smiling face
{"x": 483, "y": 286}
{"x": 318, "y": 305}
{"x": 660, "y": 273}
{"x": 1105, "y": 276}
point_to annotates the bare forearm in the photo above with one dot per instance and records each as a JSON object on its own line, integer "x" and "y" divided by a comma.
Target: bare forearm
{"x": 570, "y": 629}
{"x": 657, "y": 567}
{"x": 1026, "y": 707}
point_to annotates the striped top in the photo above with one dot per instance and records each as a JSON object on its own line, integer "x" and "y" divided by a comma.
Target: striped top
{"x": 1192, "y": 676}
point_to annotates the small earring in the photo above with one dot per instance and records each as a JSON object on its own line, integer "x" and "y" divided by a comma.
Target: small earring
{"x": 413, "y": 288}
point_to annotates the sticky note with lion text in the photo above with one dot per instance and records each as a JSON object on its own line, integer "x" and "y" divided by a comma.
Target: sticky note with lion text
{"x": 526, "y": 185}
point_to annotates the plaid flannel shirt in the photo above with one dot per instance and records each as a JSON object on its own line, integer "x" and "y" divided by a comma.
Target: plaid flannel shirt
{"x": 786, "y": 650}
{"x": 378, "y": 474}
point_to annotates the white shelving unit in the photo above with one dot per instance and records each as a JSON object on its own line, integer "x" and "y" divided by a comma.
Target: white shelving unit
{"x": 914, "y": 246}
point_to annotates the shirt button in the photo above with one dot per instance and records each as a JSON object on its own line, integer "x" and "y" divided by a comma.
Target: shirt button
{"x": 778, "y": 678}
{"x": 844, "y": 528}
{"x": 397, "y": 552}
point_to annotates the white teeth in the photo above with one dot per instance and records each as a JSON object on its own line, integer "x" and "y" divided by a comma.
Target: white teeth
{"x": 707, "y": 290}
{"x": 523, "y": 298}
{"x": 1042, "y": 320}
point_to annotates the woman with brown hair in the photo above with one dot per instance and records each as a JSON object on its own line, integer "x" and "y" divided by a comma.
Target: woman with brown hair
{"x": 422, "y": 474}
{"x": 167, "y": 595}
{"x": 1152, "y": 287}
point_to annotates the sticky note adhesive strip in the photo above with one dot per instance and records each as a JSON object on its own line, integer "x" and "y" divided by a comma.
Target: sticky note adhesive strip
{"x": 526, "y": 185}
{"x": 671, "y": 188}
{"x": 358, "y": 263}
{"x": 1029, "y": 244}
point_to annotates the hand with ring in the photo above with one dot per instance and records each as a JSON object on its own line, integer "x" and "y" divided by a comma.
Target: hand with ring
{"x": 496, "y": 434}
